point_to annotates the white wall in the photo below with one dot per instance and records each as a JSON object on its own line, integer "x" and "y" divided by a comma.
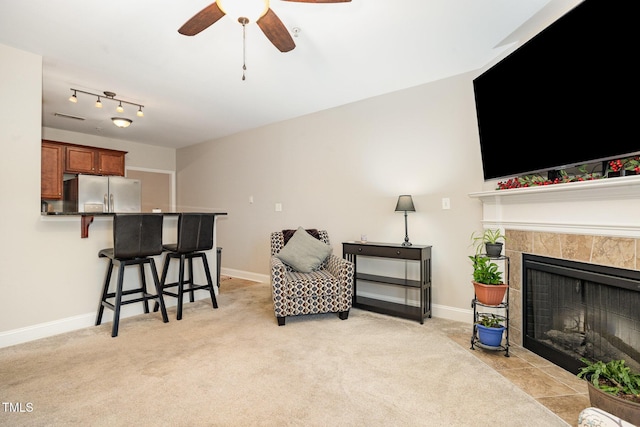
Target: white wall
{"x": 342, "y": 169}
{"x": 21, "y": 276}
{"x": 50, "y": 278}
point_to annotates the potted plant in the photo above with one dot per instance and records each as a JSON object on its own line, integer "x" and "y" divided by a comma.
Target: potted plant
{"x": 487, "y": 280}
{"x": 490, "y": 240}
{"x": 490, "y": 330}
{"x": 613, "y": 388}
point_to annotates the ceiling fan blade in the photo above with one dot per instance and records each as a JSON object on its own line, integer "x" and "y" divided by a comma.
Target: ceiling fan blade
{"x": 276, "y": 32}
{"x": 318, "y": 1}
{"x": 202, "y": 20}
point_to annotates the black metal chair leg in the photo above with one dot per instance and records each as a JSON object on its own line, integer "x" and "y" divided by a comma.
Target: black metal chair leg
{"x": 180, "y": 287}
{"x": 190, "y": 281}
{"x": 118, "y": 300}
{"x": 163, "y": 278}
{"x": 143, "y": 285}
{"x": 158, "y": 285}
{"x": 105, "y": 290}
{"x": 207, "y": 272}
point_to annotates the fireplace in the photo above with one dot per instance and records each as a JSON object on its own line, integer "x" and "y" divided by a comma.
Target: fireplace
{"x": 591, "y": 222}
{"x": 573, "y": 309}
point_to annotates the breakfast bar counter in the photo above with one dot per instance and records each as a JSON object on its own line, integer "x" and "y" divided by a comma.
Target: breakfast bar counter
{"x": 86, "y": 218}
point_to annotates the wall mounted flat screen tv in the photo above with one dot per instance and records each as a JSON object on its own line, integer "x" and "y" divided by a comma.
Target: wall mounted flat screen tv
{"x": 568, "y": 96}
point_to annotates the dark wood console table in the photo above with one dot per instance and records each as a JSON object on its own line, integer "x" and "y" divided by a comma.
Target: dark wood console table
{"x": 416, "y": 253}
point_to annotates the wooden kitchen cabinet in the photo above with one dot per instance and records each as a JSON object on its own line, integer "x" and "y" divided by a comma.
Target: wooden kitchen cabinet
{"x": 52, "y": 169}
{"x": 80, "y": 160}
{"x": 111, "y": 162}
{"x": 95, "y": 161}
{"x": 58, "y": 158}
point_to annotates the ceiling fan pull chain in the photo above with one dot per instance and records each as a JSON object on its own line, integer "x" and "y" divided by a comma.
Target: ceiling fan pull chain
{"x": 244, "y": 21}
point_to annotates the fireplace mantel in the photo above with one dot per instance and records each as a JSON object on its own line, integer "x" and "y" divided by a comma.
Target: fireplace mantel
{"x": 600, "y": 207}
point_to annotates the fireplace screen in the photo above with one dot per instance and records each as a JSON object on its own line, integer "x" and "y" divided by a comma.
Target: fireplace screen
{"x": 574, "y": 310}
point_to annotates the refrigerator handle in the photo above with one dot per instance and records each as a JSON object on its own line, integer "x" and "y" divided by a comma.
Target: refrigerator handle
{"x": 111, "y": 208}
{"x": 104, "y": 204}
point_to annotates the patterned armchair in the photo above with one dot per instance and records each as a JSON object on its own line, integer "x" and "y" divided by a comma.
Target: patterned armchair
{"x": 328, "y": 289}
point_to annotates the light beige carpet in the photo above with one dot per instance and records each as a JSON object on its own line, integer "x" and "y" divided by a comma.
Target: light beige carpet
{"x": 235, "y": 367}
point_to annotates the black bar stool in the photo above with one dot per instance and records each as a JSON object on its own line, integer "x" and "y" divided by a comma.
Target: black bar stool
{"x": 195, "y": 235}
{"x": 136, "y": 238}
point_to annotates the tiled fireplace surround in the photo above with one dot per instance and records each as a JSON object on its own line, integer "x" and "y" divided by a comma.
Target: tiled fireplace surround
{"x": 596, "y": 222}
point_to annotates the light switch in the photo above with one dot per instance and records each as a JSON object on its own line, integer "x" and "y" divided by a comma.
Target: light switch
{"x": 446, "y": 203}
{"x": 278, "y": 207}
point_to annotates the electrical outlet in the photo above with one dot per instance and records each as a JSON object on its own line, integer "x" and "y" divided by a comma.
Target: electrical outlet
{"x": 446, "y": 203}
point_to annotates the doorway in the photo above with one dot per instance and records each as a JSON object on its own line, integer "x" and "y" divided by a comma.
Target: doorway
{"x": 157, "y": 189}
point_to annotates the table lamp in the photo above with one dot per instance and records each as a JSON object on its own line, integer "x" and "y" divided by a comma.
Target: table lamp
{"x": 405, "y": 204}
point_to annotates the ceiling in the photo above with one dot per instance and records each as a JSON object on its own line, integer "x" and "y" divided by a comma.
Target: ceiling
{"x": 192, "y": 88}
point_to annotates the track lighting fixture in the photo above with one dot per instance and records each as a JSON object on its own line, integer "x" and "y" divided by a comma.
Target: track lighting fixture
{"x": 118, "y": 121}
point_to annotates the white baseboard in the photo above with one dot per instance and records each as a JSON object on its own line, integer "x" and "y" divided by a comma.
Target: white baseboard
{"x": 47, "y": 329}
{"x": 452, "y": 313}
{"x": 73, "y": 323}
{"x": 247, "y": 275}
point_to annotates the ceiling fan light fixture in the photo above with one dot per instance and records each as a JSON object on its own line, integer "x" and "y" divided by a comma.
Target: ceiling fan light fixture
{"x": 250, "y": 9}
{"x": 119, "y": 108}
{"x": 73, "y": 98}
{"x": 98, "y": 103}
{"x": 121, "y": 122}
{"x": 140, "y": 113}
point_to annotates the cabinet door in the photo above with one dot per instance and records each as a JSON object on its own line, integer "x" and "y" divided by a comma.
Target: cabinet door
{"x": 110, "y": 162}
{"x": 80, "y": 160}
{"x": 51, "y": 171}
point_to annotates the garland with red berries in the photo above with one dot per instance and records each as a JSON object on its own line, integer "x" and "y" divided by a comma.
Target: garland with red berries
{"x": 614, "y": 167}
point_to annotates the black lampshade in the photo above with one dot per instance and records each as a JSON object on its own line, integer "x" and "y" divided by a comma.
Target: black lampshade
{"x": 405, "y": 204}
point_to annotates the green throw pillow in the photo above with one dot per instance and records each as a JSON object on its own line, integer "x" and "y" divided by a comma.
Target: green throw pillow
{"x": 303, "y": 252}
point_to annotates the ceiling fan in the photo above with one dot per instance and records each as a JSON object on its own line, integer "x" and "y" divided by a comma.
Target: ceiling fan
{"x": 267, "y": 20}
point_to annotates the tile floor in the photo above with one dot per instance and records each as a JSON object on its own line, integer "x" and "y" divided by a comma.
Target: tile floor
{"x": 557, "y": 389}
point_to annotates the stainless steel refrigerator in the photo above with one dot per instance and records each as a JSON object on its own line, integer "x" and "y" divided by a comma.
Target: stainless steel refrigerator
{"x": 95, "y": 193}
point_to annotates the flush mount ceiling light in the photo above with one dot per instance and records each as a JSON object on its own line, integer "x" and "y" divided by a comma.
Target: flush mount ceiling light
{"x": 111, "y": 96}
{"x": 121, "y": 122}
